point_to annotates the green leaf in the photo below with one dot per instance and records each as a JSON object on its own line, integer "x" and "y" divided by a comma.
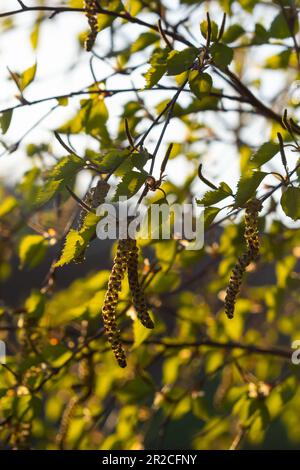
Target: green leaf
{"x": 28, "y": 188}
{"x": 60, "y": 175}
{"x": 158, "y": 68}
{"x": 131, "y": 108}
{"x": 26, "y": 407}
{"x": 92, "y": 118}
{"x": 47, "y": 191}
{"x": 221, "y": 54}
{"x": 214, "y": 29}
{"x": 206, "y": 102}
{"x": 73, "y": 247}
{"x": 154, "y": 74}
{"x": 104, "y": 21}
{"x": 267, "y": 151}
{"x": 130, "y": 184}
{"x": 89, "y": 226}
{"x": 96, "y": 115}
{"x": 290, "y": 202}
{"x": 8, "y": 205}
{"x": 32, "y": 250}
{"x": 288, "y": 389}
{"x": 215, "y": 195}
{"x": 5, "y": 120}
{"x": 226, "y": 188}
{"x": 115, "y": 161}
{"x": 284, "y": 267}
{"x": 247, "y": 187}
{"x": 233, "y": 33}
{"x": 143, "y": 41}
{"x": 64, "y": 101}
{"x": 279, "y": 61}
{"x": 180, "y": 61}
{"x": 66, "y": 168}
{"x": 27, "y": 77}
{"x": 37, "y": 149}
{"x": 261, "y": 35}
{"x": 35, "y": 304}
{"x": 171, "y": 368}
{"x": 199, "y": 407}
{"x": 75, "y": 125}
{"x": 200, "y": 83}
{"x": 140, "y": 159}
{"x": 136, "y": 390}
{"x": 95, "y": 120}
{"x": 260, "y": 420}
{"x": 57, "y": 355}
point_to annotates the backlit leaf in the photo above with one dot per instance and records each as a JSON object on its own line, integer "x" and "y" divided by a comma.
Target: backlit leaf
{"x": 290, "y": 202}
{"x": 180, "y": 61}
{"x": 247, "y": 186}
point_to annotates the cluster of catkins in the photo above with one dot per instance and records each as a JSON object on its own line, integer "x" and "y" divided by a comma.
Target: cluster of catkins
{"x": 126, "y": 259}
{"x": 91, "y": 14}
{"x": 67, "y": 416}
{"x": 253, "y": 207}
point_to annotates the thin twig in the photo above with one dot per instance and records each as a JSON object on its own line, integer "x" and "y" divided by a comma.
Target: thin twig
{"x": 124, "y": 16}
{"x": 278, "y": 352}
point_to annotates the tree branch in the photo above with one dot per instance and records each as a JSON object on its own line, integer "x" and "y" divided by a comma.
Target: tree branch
{"x": 278, "y": 352}
{"x": 124, "y": 16}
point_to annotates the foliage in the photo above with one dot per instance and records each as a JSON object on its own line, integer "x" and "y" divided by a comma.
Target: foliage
{"x": 202, "y": 76}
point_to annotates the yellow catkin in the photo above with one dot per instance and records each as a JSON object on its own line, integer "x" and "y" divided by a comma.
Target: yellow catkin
{"x": 138, "y": 296}
{"x": 251, "y": 235}
{"x": 30, "y": 337}
{"x": 126, "y": 259}
{"x": 111, "y": 299}
{"x": 20, "y": 437}
{"x": 86, "y": 377}
{"x": 86, "y": 373}
{"x": 66, "y": 419}
{"x": 91, "y": 14}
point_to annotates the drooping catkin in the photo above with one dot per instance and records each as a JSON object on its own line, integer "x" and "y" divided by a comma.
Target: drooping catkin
{"x": 66, "y": 419}
{"x": 111, "y": 299}
{"x": 126, "y": 259}
{"x": 138, "y": 296}
{"x": 91, "y": 14}
{"x": 251, "y": 236}
{"x": 20, "y": 437}
{"x": 93, "y": 199}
